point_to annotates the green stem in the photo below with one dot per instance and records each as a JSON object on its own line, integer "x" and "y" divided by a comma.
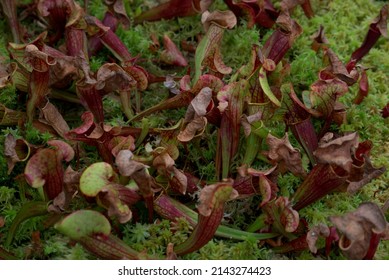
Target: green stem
{"x": 125, "y": 98}
{"x": 258, "y": 224}
{"x": 138, "y": 100}
{"x": 65, "y": 96}
{"x": 144, "y": 132}
{"x": 172, "y": 209}
{"x": 266, "y": 88}
{"x": 253, "y": 144}
{"x": 28, "y": 210}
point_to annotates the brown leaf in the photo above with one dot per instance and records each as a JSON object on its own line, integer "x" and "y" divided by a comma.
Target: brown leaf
{"x": 179, "y": 180}
{"x": 125, "y": 164}
{"x": 319, "y": 39}
{"x": 116, "y": 208}
{"x": 358, "y": 228}
{"x": 338, "y": 69}
{"x": 71, "y": 180}
{"x": 267, "y": 188}
{"x": 337, "y": 151}
{"x": 208, "y": 51}
{"x": 282, "y": 153}
{"x": 172, "y": 55}
{"x": 54, "y": 118}
{"x": 6, "y": 73}
{"x": 223, "y": 19}
{"x": 369, "y": 173}
{"x": 135, "y": 170}
{"x": 195, "y": 128}
{"x": 200, "y": 103}
{"x": 15, "y": 150}
{"x": 111, "y": 77}
{"x": 163, "y": 161}
{"x": 313, "y": 235}
{"x": 39, "y": 60}
{"x": 170, "y": 255}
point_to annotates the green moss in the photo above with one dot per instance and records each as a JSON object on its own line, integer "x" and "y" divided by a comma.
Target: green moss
{"x": 346, "y": 24}
{"x": 96, "y": 8}
{"x": 8, "y": 97}
{"x": 237, "y": 43}
{"x": 3, "y": 39}
{"x": 304, "y": 68}
{"x": 34, "y": 136}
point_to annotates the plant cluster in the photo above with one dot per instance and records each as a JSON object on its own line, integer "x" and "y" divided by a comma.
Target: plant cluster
{"x": 243, "y": 135}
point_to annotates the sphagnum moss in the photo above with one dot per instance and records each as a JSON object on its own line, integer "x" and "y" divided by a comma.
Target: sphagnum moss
{"x": 345, "y": 25}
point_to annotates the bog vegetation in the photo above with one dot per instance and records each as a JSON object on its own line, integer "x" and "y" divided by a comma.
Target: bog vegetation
{"x": 194, "y": 129}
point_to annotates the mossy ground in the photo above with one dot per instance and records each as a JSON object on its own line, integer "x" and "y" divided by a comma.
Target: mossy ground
{"x": 346, "y": 23}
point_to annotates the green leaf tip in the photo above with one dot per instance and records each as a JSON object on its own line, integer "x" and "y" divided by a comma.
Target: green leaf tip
{"x": 84, "y": 223}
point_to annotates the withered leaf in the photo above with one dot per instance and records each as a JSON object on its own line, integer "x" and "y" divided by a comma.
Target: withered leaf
{"x": 54, "y": 118}
{"x": 223, "y": 19}
{"x": 319, "y": 39}
{"x": 358, "y": 228}
{"x": 201, "y": 101}
{"x": 194, "y": 128}
{"x": 313, "y": 235}
{"x": 135, "y": 170}
{"x": 337, "y": 151}
{"x": 172, "y": 55}
{"x": 369, "y": 173}
{"x": 6, "y": 73}
{"x": 282, "y": 153}
{"x": 15, "y": 150}
{"x": 111, "y": 77}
